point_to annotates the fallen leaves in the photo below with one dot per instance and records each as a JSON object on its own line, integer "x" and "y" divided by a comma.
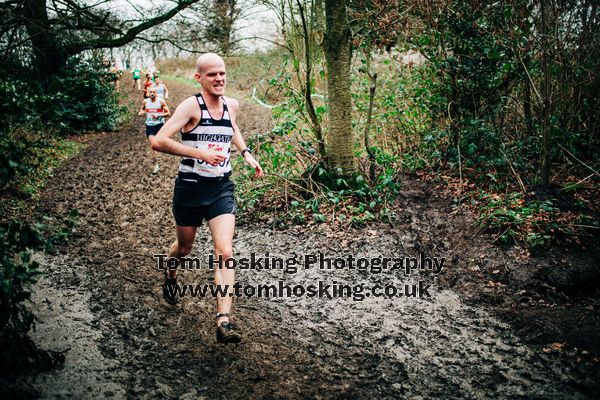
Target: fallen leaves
{"x": 556, "y": 347}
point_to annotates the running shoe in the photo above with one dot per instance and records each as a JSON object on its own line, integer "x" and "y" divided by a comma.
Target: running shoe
{"x": 170, "y": 289}
{"x": 226, "y": 334}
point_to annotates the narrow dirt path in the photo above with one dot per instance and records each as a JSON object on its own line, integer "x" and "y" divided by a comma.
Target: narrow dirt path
{"x": 101, "y": 304}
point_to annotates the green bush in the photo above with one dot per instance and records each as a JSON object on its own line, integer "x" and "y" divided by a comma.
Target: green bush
{"x": 17, "y": 271}
{"x": 19, "y": 154}
{"x": 81, "y": 99}
{"x": 84, "y": 98}
{"x": 298, "y": 187}
{"x": 18, "y": 240}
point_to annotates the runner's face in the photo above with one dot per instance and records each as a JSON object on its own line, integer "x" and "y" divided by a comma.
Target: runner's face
{"x": 152, "y": 93}
{"x": 213, "y": 79}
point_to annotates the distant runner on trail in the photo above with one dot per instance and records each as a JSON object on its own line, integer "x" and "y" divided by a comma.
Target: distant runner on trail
{"x": 137, "y": 74}
{"x": 203, "y": 191}
{"x": 156, "y": 110}
{"x": 161, "y": 89}
{"x": 147, "y": 83}
{"x": 116, "y": 72}
{"x": 151, "y": 69}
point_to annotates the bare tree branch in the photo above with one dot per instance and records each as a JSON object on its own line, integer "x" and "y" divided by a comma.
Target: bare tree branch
{"x": 132, "y": 33}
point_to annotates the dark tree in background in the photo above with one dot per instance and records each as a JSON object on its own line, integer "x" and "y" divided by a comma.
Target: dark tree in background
{"x": 54, "y": 31}
{"x": 221, "y": 16}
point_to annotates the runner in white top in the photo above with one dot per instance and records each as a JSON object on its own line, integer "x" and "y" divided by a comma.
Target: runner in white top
{"x": 155, "y": 110}
{"x": 161, "y": 89}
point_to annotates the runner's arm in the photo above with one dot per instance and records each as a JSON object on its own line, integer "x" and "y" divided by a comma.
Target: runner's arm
{"x": 238, "y": 139}
{"x": 165, "y": 143}
{"x": 166, "y": 92}
{"x": 166, "y": 111}
{"x": 143, "y": 109}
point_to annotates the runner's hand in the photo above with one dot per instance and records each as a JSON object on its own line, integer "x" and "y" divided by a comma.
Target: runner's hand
{"x": 141, "y": 113}
{"x": 254, "y": 164}
{"x": 212, "y": 157}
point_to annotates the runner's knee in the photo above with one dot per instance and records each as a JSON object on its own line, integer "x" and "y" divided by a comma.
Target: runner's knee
{"x": 225, "y": 251}
{"x": 183, "y": 249}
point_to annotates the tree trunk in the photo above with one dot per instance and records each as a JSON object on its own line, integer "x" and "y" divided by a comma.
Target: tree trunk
{"x": 527, "y": 106}
{"x": 340, "y": 143}
{"x": 372, "y": 160}
{"x": 48, "y": 57}
{"x": 372, "y": 89}
{"x": 310, "y": 108}
{"x": 545, "y": 9}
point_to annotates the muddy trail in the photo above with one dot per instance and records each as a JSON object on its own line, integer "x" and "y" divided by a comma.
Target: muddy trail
{"x": 100, "y": 302}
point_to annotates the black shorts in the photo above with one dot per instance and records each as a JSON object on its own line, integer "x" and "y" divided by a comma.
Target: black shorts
{"x": 194, "y": 202}
{"x": 152, "y": 130}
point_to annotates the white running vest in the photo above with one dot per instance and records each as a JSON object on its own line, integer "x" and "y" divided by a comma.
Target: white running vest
{"x": 208, "y": 134}
{"x": 153, "y": 111}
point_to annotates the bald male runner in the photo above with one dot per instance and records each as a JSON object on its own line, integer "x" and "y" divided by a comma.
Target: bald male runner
{"x": 207, "y": 122}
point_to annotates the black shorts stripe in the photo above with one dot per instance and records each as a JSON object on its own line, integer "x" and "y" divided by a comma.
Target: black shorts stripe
{"x": 190, "y": 162}
{"x": 191, "y": 176}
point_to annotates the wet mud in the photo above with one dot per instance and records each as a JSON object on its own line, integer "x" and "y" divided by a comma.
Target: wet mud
{"x": 100, "y": 302}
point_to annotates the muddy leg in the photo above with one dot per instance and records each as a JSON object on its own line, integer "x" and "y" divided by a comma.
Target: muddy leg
{"x": 183, "y": 244}
{"x": 153, "y": 153}
{"x": 222, "y": 228}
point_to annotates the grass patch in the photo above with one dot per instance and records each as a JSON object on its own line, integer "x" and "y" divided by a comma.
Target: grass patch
{"x": 48, "y": 159}
{"x": 40, "y": 166}
{"x": 180, "y": 79}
